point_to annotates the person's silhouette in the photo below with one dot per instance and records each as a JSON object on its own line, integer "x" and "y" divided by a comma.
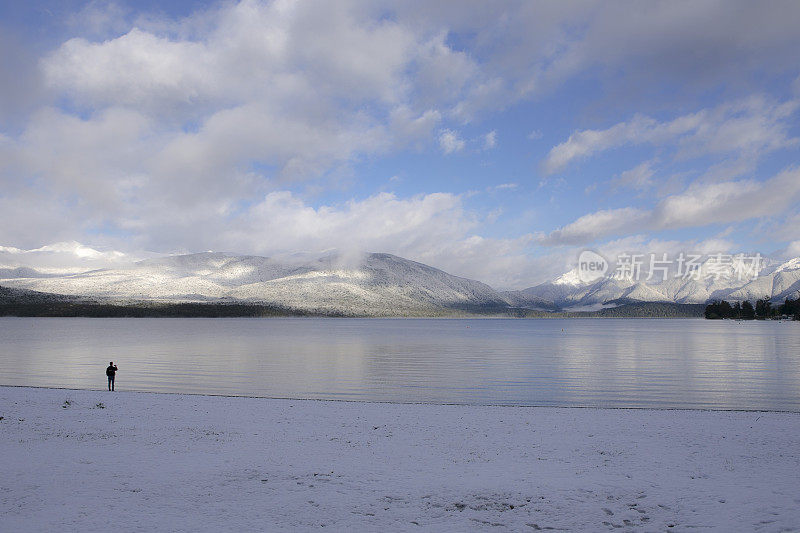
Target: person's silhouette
{"x": 111, "y": 372}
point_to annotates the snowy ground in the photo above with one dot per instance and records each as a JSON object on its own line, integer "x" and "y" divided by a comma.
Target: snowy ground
{"x": 196, "y": 463}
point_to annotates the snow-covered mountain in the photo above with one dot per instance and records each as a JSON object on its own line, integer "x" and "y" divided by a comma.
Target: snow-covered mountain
{"x": 777, "y": 281}
{"x": 374, "y": 284}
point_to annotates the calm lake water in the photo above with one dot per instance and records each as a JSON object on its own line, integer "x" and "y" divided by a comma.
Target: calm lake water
{"x": 575, "y": 362}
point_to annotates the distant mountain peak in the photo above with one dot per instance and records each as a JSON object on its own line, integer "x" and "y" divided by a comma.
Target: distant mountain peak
{"x": 570, "y": 278}
{"x": 791, "y": 264}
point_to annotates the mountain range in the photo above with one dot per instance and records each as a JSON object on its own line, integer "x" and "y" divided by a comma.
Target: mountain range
{"x": 776, "y": 281}
{"x": 374, "y": 284}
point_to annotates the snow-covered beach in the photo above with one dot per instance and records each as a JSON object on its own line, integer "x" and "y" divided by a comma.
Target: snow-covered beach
{"x": 96, "y": 461}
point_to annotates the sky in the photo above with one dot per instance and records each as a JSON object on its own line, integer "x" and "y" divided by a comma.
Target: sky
{"x": 494, "y": 140}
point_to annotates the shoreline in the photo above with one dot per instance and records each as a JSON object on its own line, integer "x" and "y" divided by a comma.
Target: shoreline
{"x": 94, "y": 460}
{"x": 47, "y": 305}
{"x": 390, "y": 402}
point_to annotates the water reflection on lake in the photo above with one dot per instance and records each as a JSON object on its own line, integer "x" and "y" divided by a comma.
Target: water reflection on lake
{"x": 575, "y": 362}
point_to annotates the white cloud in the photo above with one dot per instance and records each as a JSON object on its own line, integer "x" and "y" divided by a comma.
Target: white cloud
{"x": 732, "y": 201}
{"x": 413, "y": 129}
{"x": 433, "y": 228}
{"x": 427, "y": 228}
{"x": 490, "y": 140}
{"x": 441, "y": 72}
{"x": 793, "y": 250}
{"x": 699, "y": 205}
{"x": 638, "y": 177}
{"x": 252, "y": 50}
{"x": 450, "y": 142}
{"x": 68, "y": 256}
{"x": 95, "y": 159}
{"x": 641, "y": 244}
{"x": 289, "y": 86}
{"x": 596, "y": 225}
{"x": 282, "y": 221}
{"x": 138, "y": 69}
{"x": 587, "y": 142}
{"x": 749, "y": 128}
{"x": 210, "y": 112}
{"x": 78, "y": 250}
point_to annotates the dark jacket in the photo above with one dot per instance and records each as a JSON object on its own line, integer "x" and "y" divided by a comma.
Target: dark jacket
{"x": 111, "y": 370}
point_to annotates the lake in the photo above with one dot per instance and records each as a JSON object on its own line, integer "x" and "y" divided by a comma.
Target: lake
{"x": 571, "y": 362}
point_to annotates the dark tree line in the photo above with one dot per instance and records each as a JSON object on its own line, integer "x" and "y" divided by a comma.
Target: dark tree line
{"x": 763, "y": 310}
{"x": 87, "y": 309}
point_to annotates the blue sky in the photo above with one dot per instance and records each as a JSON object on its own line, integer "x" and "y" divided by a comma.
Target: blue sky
{"x": 493, "y": 140}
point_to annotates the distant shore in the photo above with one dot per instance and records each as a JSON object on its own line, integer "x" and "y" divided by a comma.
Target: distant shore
{"x": 94, "y": 461}
{"x": 155, "y": 309}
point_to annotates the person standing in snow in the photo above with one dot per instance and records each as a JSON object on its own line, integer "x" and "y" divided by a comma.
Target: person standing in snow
{"x": 111, "y": 372}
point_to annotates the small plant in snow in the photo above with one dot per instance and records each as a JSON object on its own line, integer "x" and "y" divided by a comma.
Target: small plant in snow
{"x": 100, "y": 406}
{"x": 66, "y": 404}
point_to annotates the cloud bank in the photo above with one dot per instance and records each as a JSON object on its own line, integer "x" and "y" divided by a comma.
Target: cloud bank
{"x": 265, "y": 126}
